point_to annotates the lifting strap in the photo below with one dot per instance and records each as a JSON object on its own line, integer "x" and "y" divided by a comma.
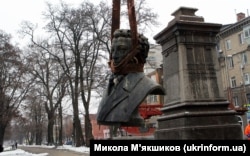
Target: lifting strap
{"x": 115, "y": 17}
{"x": 134, "y": 35}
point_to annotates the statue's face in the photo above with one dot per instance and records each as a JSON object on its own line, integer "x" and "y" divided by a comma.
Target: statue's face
{"x": 121, "y": 46}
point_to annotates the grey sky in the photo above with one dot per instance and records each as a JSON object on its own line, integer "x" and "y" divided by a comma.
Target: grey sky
{"x": 13, "y": 12}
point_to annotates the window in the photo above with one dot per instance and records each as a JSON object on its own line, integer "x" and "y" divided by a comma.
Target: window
{"x": 246, "y": 78}
{"x": 230, "y": 62}
{"x": 228, "y": 44}
{"x": 240, "y": 120}
{"x": 244, "y": 58}
{"x": 152, "y": 99}
{"x": 233, "y": 82}
{"x": 248, "y": 98}
{"x": 236, "y": 103}
{"x": 241, "y": 38}
{"x": 151, "y": 58}
{"x": 246, "y": 32}
{"x": 218, "y": 46}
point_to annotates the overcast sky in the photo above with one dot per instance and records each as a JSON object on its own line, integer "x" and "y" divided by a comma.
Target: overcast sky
{"x": 13, "y": 12}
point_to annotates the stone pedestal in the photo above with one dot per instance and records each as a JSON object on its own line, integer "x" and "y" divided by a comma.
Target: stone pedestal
{"x": 194, "y": 104}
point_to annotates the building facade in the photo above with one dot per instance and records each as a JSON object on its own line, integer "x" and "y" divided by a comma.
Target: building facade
{"x": 234, "y": 59}
{"x": 153, "y": 69}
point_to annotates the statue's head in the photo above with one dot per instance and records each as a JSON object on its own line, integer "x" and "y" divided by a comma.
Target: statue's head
{"x": 122, "y": 45}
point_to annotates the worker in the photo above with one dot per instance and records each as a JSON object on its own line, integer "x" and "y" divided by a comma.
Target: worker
{"x": 247, "y": 130}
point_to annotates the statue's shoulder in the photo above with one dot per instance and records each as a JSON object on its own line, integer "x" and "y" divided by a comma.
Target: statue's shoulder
{"x": 139, "y": 81}
{"x": 131, "y": 80}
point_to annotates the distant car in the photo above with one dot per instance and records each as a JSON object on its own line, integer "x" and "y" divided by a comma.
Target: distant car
{"x": 68, "y": 143}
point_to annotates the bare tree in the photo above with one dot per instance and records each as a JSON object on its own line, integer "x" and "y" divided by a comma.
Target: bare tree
{"x": 91, "y": 56}
{"x": 81, "y": 37}
{"x": 34, "y": 111}
{"x": 145, "y": 16}
{"x": 13, "y": 86}
{"x": 18, "y": 130}
{"x": 50, "y": 84}
{"x": 80, "y": 31}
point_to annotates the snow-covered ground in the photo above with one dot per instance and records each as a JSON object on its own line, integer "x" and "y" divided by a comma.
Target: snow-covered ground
{"x": 21, "y": 153}
{"x": 8, "y": 152}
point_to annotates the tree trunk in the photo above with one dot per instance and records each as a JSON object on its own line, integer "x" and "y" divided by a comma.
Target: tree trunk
{"x": 60, "y": 125}
{"x": 2, "y": 131}
{"x": 50, "y": 129}
{"x": 38, "y": 136}
{"x": 31, "y": 138}
{"x": 88, "y": 130}
{"x": 79, "y": 141}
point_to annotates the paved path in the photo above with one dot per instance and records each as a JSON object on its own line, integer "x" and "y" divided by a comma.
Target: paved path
{"x": 52, "y": 151}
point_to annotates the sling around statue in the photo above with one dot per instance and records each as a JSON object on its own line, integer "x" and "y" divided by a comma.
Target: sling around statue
{"x": 128, "y": 85}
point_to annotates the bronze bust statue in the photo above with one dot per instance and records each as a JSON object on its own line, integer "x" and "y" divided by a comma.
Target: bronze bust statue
{"x": 128, "y": 86}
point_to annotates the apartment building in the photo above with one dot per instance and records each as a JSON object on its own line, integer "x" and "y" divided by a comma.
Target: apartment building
{"x": 234, "y": 59}
{"x": 153, "y": 69}
{"x": 154, "y": 59}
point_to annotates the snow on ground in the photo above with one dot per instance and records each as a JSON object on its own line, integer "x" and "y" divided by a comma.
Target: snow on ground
{"x": 9, "y": 152}
{"x": 21, "y": 153}
{"x": 82, "y": 149}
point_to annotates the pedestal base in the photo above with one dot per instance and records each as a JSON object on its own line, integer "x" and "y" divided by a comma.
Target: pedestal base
{"x": 202, "y": 121}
